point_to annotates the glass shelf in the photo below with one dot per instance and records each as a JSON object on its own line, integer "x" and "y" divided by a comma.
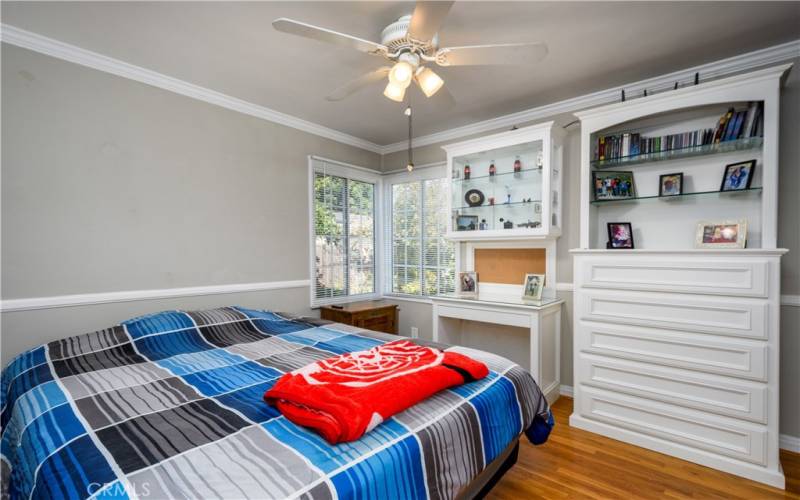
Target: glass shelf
{"x": 496, "y": 205}
{"x": 752, "y": 190}
{"x": 673, "y": 154}
{"x": 527, "y": 173}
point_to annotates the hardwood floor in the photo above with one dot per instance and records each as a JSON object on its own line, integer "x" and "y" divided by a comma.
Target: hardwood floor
{"x": 579, "y": 464}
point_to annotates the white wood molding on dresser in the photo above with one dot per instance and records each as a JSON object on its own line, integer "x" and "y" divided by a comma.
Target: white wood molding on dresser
{"x": 675, "y": 348}
{"x": 675, "y": 365}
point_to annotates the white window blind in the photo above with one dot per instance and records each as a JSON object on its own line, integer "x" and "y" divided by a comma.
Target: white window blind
{"x": 344, "y": 236}
{"x": 422, "y": 261}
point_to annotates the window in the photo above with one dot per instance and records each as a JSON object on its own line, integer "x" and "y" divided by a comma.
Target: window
{"x": 422, "y": 261}
{"x": 343, "y": 232}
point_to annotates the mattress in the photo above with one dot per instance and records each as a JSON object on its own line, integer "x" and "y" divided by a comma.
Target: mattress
{"x": 170, "y": 405}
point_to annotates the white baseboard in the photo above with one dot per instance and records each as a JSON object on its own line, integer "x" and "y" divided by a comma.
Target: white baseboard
{"x": 133, "y": 295}
{"x": 566, "y": 390}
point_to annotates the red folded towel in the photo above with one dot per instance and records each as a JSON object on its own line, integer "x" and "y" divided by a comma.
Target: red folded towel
{"x": 347, "y": 395}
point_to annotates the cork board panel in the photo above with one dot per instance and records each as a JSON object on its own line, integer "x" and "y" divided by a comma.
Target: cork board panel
{"x": 508, "y": 265}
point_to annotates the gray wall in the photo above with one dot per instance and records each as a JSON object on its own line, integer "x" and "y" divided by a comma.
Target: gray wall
{"x": 112, "y": 185}
{"x": 419, "y": 315}
{"x": 192, "y": 194}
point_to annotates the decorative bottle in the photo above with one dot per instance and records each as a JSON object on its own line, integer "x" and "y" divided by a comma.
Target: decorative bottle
{"x": 517, "y": 167}
{"x": 492, "y": 170}
{"x": 466, "y": 172}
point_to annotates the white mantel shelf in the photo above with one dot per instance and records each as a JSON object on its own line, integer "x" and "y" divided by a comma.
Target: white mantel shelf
{"x": 699, "y": 251}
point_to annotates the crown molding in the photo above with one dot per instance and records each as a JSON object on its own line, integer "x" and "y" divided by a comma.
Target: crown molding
{"x": 708, "y": 71}
{"x": 54, "y": 48}
{"x": 725, "y": 67}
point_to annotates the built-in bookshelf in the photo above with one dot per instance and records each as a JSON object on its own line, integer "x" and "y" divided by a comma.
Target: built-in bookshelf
{"x": 694, "y": 144}
{"x": 674, "y": 319}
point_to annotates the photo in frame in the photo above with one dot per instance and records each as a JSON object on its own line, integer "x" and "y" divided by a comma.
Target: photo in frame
{"x": 467, "y": 286}
{"x": 533, "y": 287}
{"x": 620, "y": 235}
{"x": 738, "y": 176}
{"x": 670, "y": 184}
{"x": 466, "y": 222}
{"x": 721, "y": 234}
{"x": 610, "y": 185}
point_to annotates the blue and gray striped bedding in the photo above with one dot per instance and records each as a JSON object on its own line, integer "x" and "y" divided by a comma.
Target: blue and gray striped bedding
{"x": 170, "y": 405}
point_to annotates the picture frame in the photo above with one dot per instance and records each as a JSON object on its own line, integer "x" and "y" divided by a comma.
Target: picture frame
{"x": 738, "y": 176}
{"x": 467, "y": 285}
{"x": 613, "y": 185}
{"x": 466, "y": 222}
{"x": 620, "y": 235}
{"x": 670, "y": 184}
{"x": 532, "y": 287}
{"x": 721, "y": 234}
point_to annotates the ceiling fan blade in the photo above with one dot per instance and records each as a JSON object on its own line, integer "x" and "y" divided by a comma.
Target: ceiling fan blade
{"x": 358, "y": 83}
{"x": 427, "y": 19}
{"x": 506, "y": 53}
{"x": 325, "y": 35}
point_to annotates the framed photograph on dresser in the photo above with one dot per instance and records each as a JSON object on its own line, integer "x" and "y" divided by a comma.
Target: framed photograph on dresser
{"x": 620, "y": 235}
{"x": 724, "y": 234}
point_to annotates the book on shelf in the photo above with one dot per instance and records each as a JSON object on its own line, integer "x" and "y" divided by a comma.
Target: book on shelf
{"x": 732, "y": 125}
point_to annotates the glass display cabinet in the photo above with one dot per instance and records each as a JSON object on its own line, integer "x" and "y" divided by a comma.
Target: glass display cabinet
{"x": 507, "y": 185}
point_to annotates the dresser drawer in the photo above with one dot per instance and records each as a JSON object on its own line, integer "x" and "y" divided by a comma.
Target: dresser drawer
{"x": 712, "y": 393}
{"x": 699, "y": 352}
{"x": 720, "y": 276}
{"x": 689, "y": 313}
{"x": 690, "y": 428}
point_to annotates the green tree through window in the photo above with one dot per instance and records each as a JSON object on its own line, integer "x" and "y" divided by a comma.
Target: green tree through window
{"x": 344, "y": 233}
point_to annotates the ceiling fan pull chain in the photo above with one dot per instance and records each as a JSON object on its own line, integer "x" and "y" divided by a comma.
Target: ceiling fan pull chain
{"x": 408, "y": 113}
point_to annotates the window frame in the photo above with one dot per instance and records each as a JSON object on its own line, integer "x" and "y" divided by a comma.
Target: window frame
{"x": 352, "y": 172}
{"x": 428, "y": 172}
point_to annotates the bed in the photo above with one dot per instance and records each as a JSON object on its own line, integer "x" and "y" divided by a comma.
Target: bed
{"x": 170, "y": 405}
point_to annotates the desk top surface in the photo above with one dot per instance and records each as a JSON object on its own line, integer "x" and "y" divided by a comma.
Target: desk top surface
{"x": 502, "y": 300}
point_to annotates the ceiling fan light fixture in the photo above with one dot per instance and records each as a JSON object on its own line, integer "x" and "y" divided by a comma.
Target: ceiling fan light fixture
{"x": 395, "y": 92}
{"x": 401, "y": 74}
{"x": 429, "y": 82}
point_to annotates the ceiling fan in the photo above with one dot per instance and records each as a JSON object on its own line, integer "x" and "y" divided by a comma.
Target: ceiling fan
{"x": 411, "y": 42}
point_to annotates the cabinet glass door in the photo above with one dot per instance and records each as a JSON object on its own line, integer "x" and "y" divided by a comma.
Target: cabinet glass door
{"x": 498, "y": 189}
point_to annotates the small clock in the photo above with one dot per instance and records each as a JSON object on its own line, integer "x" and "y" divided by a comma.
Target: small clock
{"x": 474, "y": 198}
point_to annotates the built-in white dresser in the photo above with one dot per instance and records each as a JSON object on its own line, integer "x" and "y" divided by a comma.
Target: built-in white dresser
{"x": 676, "y": 348}
{"x": 678, "y": 352}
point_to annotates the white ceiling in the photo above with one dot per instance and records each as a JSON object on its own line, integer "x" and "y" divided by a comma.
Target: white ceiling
{"x": 232, "y": 48}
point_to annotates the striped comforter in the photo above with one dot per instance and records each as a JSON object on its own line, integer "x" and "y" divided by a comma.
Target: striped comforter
{"x": 170, "y": 405}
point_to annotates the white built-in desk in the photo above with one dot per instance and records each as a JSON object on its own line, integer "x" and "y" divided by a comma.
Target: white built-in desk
{"x": 534, "y": 342}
